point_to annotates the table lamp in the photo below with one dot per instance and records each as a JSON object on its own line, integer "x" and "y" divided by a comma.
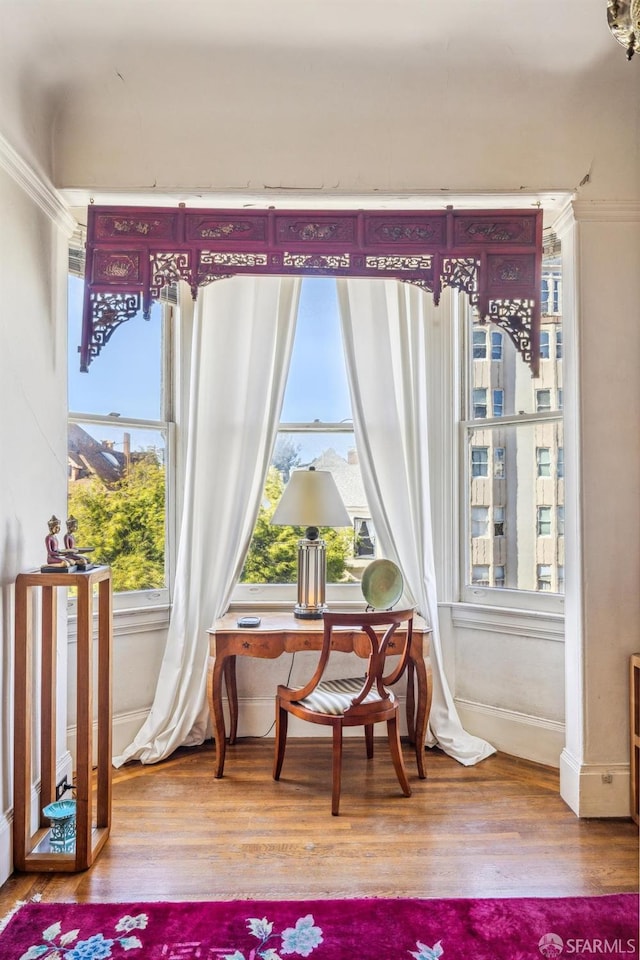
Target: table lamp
{"x": 311, "y": 500}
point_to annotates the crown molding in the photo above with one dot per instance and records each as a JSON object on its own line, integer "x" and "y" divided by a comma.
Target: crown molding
{"x": 606, "y": 211}
{"x": 38, "y": 188}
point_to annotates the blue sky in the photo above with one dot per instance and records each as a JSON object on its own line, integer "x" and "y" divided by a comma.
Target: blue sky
{"x": 124, "y": 377}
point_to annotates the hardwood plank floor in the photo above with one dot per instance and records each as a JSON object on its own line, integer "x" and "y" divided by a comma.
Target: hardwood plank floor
{"x": 496, "y": 829}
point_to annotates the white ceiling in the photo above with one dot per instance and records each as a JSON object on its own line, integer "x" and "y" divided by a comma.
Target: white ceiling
{"x": 108, "y": 73}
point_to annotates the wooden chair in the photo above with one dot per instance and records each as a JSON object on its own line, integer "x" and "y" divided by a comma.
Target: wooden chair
{"x": 355, "y": 701}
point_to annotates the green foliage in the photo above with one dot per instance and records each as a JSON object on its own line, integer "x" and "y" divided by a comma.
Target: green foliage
{"x": 125, "y": 524}
{"x": 272, "y": 556}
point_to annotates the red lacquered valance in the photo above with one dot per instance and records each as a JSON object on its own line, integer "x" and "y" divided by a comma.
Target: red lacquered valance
{"x": 494, "y": 257}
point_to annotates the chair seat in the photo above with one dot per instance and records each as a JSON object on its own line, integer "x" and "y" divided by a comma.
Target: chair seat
{"x": 334, "y": 697}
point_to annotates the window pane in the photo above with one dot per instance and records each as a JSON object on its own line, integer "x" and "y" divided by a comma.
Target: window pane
{"x": 117, "y": 495}
{"x": 543, "y": 457}
{"x": 272, "y": 555}
{"x": 525, "y": 529}
{"x": 317, "y": 387}
{"x": 521, "y": 393}
{"x": 479, "y": 521}
{"x": 498, "y": 403}
{"x": 479, "y": 344}
{"x": 126, "y": 377}
{"x": 479, "y": 403}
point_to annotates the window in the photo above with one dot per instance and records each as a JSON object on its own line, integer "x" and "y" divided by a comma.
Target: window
{"x": 479, "y": 521}
{"x": 516, "y": 458}
{"x": 543, "y": 401}
{"x": 560, "y": 398}
{"x": 543, "y": 460}
{"x": 544, "y": 522}
{"x": 544, "y": 344}
{"x": 480, "y": 575}
{"x": 544, "y": 575}
{"x": 315, "y": 430}
{"x": 479, "y": 344}
{"x": 364, "y": 538}
{"x": 479, "y": 461}
{"x": 479, "y": 403}
{"x": 560, "y": 578}
{"x": 119, "y": 451}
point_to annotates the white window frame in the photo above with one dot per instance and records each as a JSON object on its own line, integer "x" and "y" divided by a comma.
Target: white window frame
{"x": 152, "y": 598}
{"x": 266, "y": 596}
{"x": 470, "y": 595}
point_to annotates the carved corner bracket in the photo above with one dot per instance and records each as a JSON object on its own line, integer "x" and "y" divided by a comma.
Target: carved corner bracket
{"x": 494, "y": 257}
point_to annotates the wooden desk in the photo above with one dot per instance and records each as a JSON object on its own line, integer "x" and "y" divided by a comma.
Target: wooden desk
{"x": 283, "y": 633}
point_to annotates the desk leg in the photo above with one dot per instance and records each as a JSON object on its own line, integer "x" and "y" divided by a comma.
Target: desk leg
{"x": 423, "y": 672}
{"x": 232, "y": 697}
{"x": 215, "y": 672}
{"x": 411, "y": 703}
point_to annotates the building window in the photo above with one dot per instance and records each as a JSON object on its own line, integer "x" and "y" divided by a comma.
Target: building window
{"x": 498, "y": 462}
{"x": 560, "y": 578}
{"x": 496, "y": 345}
{"x": 543, "y": 401}
{"x": 480, "y": 575}
{"x": 364, "y": 538}
{"x": 559, "y": 343}
{"x": 479, "y": 403}
{"x": 560, "y": 462}
{"x": 560, "y": 519}
{"x": 544, "y": 344}
{"x": 560, "y": 398}
{"x": 479, "y": 344}
{"x": 498, "y": 576}
{"x": 498, "y": 521}
{"x": 498, "y": 402}
{"x": 544, "y": 576}
{"x": 551, "y": 292}
{"x": 480, "y": 521}
{"x": 543, "y": 460}
{"x": 479, "y": 461}
{"x": 119, "y": 452}
{"x": 543, "y": 525}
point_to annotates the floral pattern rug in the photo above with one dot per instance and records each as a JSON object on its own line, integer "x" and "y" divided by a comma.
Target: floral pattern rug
{"x": 457, "y": 929}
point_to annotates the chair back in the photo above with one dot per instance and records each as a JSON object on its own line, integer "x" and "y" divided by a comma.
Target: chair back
{"x": 380, "y": 639}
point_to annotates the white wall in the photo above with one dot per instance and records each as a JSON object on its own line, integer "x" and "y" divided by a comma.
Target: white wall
{"x": 32, "y": 421}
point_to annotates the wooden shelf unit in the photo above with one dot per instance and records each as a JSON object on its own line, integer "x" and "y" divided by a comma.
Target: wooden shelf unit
{"x": 32, "y": 852}
{"x": 634, "y": 700}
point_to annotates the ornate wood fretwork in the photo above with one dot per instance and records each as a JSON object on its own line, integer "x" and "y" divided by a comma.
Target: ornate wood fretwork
{"x": 494, "y": 257}
{"x": 108, "y": 311}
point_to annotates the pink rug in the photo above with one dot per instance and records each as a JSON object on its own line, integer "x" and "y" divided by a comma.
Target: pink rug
{"x": 518, "y": 929}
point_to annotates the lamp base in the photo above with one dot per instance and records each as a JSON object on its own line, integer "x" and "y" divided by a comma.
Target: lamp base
{"x": 303, "y": 613}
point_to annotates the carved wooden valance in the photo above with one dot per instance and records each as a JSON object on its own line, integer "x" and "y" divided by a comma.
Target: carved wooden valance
{"x": 494, "y": 257}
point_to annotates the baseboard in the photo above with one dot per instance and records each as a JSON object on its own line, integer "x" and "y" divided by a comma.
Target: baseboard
{"x": 518, "y": 734}
{"x": 595, "y": 789}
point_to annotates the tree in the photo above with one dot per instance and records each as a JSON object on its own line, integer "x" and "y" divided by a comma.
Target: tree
{"x": 272, "y": 556}
{"x": 125, "y": 523}
{"x": 286, "y": 455}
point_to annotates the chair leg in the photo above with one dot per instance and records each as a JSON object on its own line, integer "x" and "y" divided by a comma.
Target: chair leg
{"x": 282, "y": 720}
{"x": 337, "y": 768}
{"x": 393, "y": 734}
{"x": 368, "y": 736}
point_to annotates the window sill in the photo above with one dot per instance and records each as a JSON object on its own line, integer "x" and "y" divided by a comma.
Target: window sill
{"x": 536, "y": 624}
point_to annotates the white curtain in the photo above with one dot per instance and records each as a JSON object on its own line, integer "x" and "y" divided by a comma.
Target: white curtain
{"x": 384, "y": 330}
{"x": 242, "y": 338}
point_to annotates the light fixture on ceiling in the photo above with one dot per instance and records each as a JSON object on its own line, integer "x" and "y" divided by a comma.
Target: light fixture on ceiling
{"x": 311, "y": 499}
{"x": 623, "y": 17}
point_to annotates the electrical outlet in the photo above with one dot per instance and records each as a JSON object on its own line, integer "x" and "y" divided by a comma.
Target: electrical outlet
{"x": 61, "y": 787}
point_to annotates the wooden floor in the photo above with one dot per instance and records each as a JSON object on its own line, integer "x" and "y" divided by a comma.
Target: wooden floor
{"x": 495, "y": 829}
